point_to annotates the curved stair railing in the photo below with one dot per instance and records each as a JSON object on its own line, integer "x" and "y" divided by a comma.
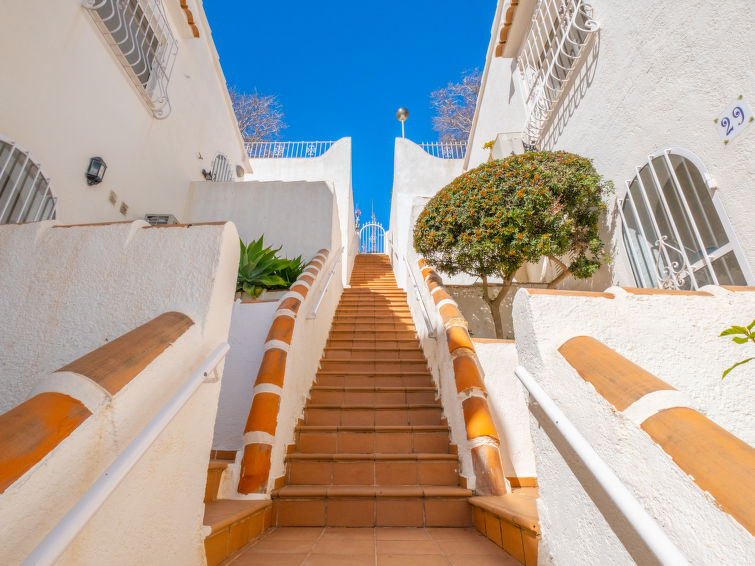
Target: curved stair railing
{"x": 482, "y": 435}
{"x": 259, "y": 433}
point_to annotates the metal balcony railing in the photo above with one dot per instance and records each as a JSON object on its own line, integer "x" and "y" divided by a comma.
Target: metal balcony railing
{"x": 287, "y": 149}
{"x": 446, "y": 150}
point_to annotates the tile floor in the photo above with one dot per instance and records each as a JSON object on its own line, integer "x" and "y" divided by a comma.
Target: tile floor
{"x": 329, "y": 546}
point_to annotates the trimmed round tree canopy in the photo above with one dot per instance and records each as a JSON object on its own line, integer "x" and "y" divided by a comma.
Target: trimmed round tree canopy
{"x": 493, "y": 219}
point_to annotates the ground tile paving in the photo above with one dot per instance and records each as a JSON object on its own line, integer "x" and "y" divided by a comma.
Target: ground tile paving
{"x": 329, "y": 546}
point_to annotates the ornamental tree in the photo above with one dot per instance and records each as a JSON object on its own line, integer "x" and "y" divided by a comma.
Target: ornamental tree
{"x": 493, "y": 219}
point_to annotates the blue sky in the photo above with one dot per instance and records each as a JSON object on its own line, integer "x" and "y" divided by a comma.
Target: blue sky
{"x": 342, "y": 68}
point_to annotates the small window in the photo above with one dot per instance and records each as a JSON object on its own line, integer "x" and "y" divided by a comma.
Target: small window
{"x": 675, "y": 231}
{"x": 139, "y": 34}
{"x": 25, "y": 194}
{"x": 221, "y": 169}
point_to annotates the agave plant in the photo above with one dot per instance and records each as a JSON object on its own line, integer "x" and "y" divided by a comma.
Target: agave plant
{"x": 260, "y": 268}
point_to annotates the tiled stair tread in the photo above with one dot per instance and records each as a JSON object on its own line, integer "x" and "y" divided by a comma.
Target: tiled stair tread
{"x": 371, "y": 456}
{"x": 373, "y": 428}
{"x": 362, "y": 389}
{"x": 402, "y": 373}
{"x": 223, "y": 512}
{"x": 519, "y": 507}
{"x": 391, "y": 407}
{"x": 368, "y": 492}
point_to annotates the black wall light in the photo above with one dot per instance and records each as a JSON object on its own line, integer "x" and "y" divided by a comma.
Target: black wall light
{"x": 96, "y": 170}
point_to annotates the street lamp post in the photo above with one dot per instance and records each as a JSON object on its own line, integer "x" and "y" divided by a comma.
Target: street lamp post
{"x": 401, "y": 115}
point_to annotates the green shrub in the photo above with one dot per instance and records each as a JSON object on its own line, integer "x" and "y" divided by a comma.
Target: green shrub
{"x": 494, "y": 219}
{"x": 747, "y": 335}
{"x": 260, "y": 268}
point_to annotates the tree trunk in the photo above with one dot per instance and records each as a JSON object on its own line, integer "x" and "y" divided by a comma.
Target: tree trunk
{"x": 494, "y": 303}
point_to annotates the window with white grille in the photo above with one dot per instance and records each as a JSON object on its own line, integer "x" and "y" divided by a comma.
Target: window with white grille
{"x": 676, "y": 233}
{"x": 139, "y": 34}
{"x": 25, "y": 194}
{"x": 552, "y": 49}
{"x": 221, "y": 169}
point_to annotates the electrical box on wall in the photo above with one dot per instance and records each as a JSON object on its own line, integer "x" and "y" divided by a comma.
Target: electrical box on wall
{"x": 160, "y": 219}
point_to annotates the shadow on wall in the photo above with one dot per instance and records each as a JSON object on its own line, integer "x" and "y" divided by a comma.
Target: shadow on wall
{"x": 477, "y": 312}
{"x": 576, "y": 90}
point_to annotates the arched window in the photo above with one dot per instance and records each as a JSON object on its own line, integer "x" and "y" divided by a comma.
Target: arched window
{"x": 25, "y": 194}
{"x": 221, "y": 169}
{"x": 676, "y": 233}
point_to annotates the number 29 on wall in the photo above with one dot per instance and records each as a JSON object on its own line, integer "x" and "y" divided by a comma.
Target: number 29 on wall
{"x": 733, "y": 120}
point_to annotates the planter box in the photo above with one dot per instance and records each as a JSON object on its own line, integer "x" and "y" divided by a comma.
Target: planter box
{"x": 265, "y": 297}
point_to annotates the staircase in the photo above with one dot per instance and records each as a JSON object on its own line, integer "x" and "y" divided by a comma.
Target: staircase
{"x": 373, "y": 447}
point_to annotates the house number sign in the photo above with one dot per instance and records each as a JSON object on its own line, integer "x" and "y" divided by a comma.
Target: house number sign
{"x": 733, "y": 120}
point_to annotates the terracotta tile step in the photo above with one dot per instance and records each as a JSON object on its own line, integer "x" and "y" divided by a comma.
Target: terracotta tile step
{"x": 369, "y": 366}
{"x": 359, "y": 341}
{"x": 375, "y": 373}
{"x": 386, "y": 337}
{"x": 340, "y": 380}
{"x": 372, "y": 469}
{"x": 417, "y": 414}
{"x": 233, "y": 524}
{"x": 373, "y": 353}
{"x": 395, "y": 312}
{"x": 375, "y": 326}
{"x": 367, "y": 396}
{"x": 368, "y": 506}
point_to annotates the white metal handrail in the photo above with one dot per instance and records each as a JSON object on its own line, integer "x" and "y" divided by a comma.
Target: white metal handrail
{"x": 425, "y": 314}
{"x": 639, "y": 520}
{"x": 446, "y": 150}
{"x": 63, "y": 534}
{"x": 286, "y": 149}
{"x": 339, "y": 255}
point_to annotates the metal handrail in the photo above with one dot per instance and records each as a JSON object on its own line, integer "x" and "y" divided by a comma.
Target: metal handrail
{"x": 339, "y": 255}
{"x": 446, "y": 150}
{"x": 425, "y": 314}
{"x": 287, "y": 149}
{"x": 62, "y": 535}
{"x": 638, "y": 519}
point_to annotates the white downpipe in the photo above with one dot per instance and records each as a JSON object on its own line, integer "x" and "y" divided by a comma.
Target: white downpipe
{"x": 642, "y": 523}
{"x": 425, "y": 314}
{"x": 313, "y": 314}
{"x": 61, "y": 536}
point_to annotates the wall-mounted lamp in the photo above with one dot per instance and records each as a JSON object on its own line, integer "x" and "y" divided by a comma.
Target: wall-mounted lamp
{"x": 96, "y": 170}
{"x": 401, "y": 115}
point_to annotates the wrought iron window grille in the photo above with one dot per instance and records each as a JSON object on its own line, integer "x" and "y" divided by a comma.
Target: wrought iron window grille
{"x": 25, "y": 192}
{"x": 141, "y": 39}
{"x": 553, "y": 48}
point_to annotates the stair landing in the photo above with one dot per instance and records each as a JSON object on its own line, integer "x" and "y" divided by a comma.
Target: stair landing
{"x": 373, "y": 547}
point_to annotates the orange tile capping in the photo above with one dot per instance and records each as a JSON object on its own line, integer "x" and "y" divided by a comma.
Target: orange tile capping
{"x": 190, "y": 18}
{"x": 116, "y": 363}
{"x": 503, "y": 36}
{"x": 618, "y": 380}
{"x": 716, "y": 460}
{"x": 262, "y": 423}
{"x": 481, "y": 431}
{"x": 33, "y": 429}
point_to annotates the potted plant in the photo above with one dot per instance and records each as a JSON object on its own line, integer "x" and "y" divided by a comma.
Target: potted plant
{"x": 262, "y": 271}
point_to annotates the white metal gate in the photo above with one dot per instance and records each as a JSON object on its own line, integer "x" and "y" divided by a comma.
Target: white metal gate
{"x": 372, "y": 238}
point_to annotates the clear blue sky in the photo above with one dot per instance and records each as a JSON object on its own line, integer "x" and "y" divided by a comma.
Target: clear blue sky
{"x": 342, "y": 68}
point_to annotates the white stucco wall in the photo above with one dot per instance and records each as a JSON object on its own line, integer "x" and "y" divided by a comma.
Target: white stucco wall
{"x": 250, "y": 324}
{"x": 301, "y": 217}
{"x": 108, "y": 285}
{"x": 66, "y": 98}
{"x": 67, "y": 291}
{"x": 656, "y": 85}
{"x": 508, "y": 404}
{"x": 417, "y": 175}
{"x": 656, "y": 76}
{"x": 334, "y": 167}
{"x": 676, "y": 339}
